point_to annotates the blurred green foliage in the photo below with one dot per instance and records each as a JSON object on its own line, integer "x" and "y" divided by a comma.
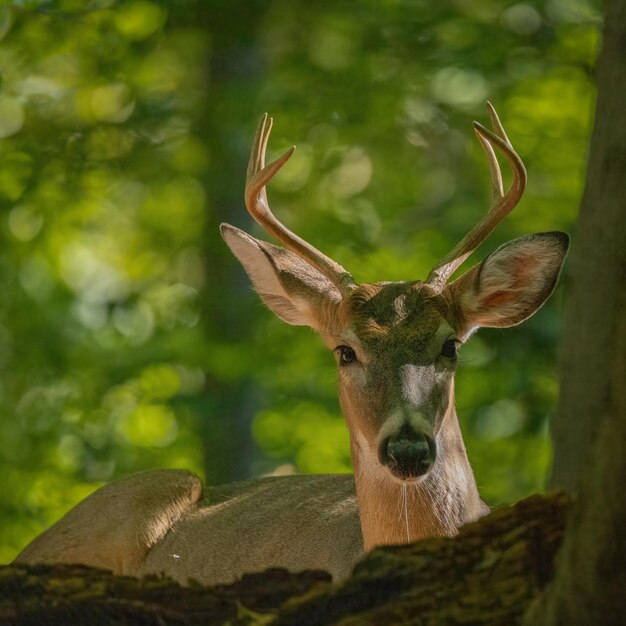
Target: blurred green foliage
{"x": 129, "y": 337}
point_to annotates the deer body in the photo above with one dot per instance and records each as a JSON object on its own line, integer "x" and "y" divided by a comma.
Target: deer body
{"x": 396, "y": 349}
{"x": 163, "y": 521}
{"x": 314, "y": 525}
{"x": 217, "y": 534}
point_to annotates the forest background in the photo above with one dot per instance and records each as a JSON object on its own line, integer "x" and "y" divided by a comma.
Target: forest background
{"x": 129, "y": 335}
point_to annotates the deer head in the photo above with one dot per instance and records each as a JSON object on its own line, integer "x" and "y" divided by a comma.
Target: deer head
{"x": 396, "y": 342}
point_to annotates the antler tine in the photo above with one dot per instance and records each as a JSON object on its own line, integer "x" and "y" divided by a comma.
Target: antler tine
{"x": 257, "y": 177}
{"x": 502, "y": 204}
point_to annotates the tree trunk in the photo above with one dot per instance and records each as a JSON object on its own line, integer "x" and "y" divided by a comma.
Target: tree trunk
{"x": 234, "y": 69}
{"x": 595, "y": 312}
{"x": 590, "y": 424}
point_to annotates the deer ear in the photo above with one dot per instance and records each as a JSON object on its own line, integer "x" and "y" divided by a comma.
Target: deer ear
{"x": 290, "y": 287}
{"x": 512, "y": 283}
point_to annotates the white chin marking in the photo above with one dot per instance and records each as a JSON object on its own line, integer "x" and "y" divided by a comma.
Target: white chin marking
{"x": 411, "y": 480}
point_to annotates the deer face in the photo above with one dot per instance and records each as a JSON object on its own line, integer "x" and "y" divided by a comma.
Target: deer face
{"x": 396, "y": 358}
{"x": 395, "y": 343}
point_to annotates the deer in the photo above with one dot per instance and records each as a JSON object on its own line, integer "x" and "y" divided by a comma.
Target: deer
{"x": 396, "y": 346}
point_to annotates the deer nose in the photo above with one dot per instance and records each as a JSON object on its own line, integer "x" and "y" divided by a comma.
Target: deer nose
{"x": 409, "y": 454}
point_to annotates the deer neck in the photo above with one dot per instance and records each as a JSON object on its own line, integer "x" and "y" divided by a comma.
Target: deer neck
{"x": 437, "y": 505}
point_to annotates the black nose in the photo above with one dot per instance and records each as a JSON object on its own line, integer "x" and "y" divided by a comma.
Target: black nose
{"x": 408, "y": 454}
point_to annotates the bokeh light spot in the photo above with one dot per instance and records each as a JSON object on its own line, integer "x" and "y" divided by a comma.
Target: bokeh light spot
{"x": 459, "y": 87}
{"x": 522, "y": 19}
{"x": 501, "y": 419}
{"x": 24, "y": 223}
{"x": 112, "y": 103}
{"x": 139, "y": 20}
{"x": 149, "y": 425}
{"x": 353, "y": 175}
{"x": 11, "y": 116}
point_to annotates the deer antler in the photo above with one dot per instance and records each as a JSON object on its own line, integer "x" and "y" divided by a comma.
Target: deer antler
{"x": 502, "y": 204}
{"x": 257, "y": 177}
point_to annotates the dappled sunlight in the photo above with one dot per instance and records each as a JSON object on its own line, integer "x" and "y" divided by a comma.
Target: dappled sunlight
{"x": 522, "y": 19}
{"x": 459, "y": 87}
{"x": 353, "y": 174}
{"x": 501, "y": 419}
{"x": 84, "y": 272}
{"x": 140, "y": 19}
{"x": 129, "y": 336}
{"x": 25, "y": 223}
{"x": 11, "y": 116}
{"x": 149, "y": 425}
{"x": 316, "y": 439}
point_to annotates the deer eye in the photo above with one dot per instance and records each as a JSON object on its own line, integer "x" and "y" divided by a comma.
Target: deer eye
{"x": 448, "y": 349}
{"x": 346, "y": 355}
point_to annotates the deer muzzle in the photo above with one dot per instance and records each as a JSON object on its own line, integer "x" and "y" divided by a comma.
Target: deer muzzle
{"x": 408, "y": 455}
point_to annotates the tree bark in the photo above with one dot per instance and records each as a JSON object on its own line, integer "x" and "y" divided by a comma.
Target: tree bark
{"x": 590, "y": 425}
{"x": 486, "y": 575}
{"x": 594, "y": 317}
{"x": 65, "y": 594}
